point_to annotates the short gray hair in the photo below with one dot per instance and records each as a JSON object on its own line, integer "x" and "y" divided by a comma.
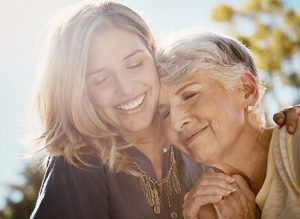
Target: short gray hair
{"x": 220, "y": 56}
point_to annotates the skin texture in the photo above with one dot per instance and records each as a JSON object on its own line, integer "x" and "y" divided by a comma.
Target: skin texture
{"x": 120, "y": 70}
{"x": 193, "y": 108}
{"x": 123, "y": 84}
{"x": 193, "y": 118}
{"x": 210, "y": 123}
{"x": 123, "y": 79}
{"x": 205, "y": 201}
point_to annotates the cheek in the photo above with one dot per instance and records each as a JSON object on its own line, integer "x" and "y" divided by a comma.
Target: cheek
{"x": 228, "y": 128}
{"x": 100, "y": 100}
{"x": 151, "y": 74}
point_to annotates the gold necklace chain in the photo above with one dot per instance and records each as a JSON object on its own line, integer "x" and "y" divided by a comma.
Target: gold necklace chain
{"x": 166, "y": 178}
{"x": 150, "y": 186}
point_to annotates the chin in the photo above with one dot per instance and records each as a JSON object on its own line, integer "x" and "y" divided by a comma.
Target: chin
{"x": 138, "y": 125}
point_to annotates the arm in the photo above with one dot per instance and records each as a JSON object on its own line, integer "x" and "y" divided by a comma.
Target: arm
{"x": 70, "y": 192}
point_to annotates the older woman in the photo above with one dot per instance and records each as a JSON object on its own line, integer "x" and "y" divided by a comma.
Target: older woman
{"x": 108, "y": 154}
{"x": 211, "y": 108}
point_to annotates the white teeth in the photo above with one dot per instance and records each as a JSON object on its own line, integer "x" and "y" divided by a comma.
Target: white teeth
{"x": 133, "y": 104}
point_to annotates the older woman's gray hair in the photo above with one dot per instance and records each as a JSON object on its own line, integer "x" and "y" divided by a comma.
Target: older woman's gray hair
{"x": 221, "y": 57}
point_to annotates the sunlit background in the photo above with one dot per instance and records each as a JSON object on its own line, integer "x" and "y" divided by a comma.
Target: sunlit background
{"x": 23, "y": 24}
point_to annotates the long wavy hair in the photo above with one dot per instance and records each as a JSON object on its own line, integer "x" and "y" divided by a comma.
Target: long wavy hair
{"x": 71, "y": 125}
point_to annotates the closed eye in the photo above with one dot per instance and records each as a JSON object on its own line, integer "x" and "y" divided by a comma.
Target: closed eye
{"x": 136, "y": 65}
{"x": 165, "y": 114}
{"x": 101, "y": 80}
{"x": 188, "y": 96}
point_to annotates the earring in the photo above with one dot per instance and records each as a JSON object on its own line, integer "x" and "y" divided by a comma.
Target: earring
{"x": 250, "y": 108}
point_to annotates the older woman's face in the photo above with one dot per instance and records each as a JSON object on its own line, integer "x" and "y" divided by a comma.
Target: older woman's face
{"x": 122, "y": 79}
{"x": 202, "y": 117}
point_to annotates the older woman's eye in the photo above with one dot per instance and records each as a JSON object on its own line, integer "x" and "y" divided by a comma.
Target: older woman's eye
{"x": 166, "y": 114}
{"x": 189, "y": 96}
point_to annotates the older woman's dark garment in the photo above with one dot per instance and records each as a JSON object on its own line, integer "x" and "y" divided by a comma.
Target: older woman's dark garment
{"x": 68, "y": 192}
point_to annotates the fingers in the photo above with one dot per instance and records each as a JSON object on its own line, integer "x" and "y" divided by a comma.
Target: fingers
{"x": 226, "y": 207}
{"x": 192, "y": 207}
{"x": 279, "y": 118}
{"x": 288, "y": 117}
{"x": 210, "y": 189}
{"x": 292, "y": 115}
{"x": 241, "y": 183}
{"x": 240, "y": 204}
{"x": 212, "y": 184}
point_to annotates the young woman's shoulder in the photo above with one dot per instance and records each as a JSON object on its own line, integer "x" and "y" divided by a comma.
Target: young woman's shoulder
{"x": 70, "y": 191}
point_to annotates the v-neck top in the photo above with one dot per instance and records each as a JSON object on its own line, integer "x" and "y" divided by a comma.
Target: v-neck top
{"x": 69, "y": 192}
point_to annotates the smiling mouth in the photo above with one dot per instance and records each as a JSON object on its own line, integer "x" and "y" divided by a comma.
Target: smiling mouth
{"x": 193, "y": 136}
{"x": 132, "y": 104}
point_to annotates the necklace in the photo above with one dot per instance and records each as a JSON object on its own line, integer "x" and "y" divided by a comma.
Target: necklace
{"x": 158, "y": 192}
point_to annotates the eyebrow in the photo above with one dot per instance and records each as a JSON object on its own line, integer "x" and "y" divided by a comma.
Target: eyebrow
{"x": 132, "y": 54}
{"x": 125, "y": 58}
{"x": 95, "y": 71}
{"x": 182, "y": 88}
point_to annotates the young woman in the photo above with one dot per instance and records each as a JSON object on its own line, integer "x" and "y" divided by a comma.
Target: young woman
{"x": 210, "y": 104}
{"x": 109, "y": 156}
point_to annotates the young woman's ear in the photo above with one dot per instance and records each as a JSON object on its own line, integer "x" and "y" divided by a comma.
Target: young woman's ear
{"x": 250, "y": 89}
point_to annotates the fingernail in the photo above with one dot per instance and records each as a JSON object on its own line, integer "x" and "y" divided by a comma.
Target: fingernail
{"x": 233, "y": 190}
{"x": 290, "y": 128}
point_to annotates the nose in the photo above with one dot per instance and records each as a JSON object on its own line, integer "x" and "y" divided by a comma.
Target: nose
{"x": 180, "y": 119}
{"x": 124, "y": 84}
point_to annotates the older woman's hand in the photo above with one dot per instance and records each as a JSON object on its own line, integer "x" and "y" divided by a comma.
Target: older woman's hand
{"x": 210, "y": 189}
{"x": 218, "y": 196}
{"x": 240, "y": 204}
{"x": 289, "y": 117}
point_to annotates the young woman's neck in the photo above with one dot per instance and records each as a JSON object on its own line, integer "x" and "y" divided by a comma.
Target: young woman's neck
{"x": 249, "y": 155}
{"x": 151, "y": 142}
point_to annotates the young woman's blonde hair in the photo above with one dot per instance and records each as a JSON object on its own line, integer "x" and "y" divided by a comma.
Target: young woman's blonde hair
{"x": 71, "y": 126}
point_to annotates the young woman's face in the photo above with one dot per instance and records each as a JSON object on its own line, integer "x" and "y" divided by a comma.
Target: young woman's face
{"x": 202, "y": 117}
{"x": 122, "y": 79}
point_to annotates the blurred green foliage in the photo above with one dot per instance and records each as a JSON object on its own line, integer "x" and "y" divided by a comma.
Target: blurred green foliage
{"x": 274, "y": 37}
{"x": 28, "y": 192}
{"x": 275, "y": 42}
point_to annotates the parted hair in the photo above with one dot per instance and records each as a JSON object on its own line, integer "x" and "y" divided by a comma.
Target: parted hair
{"x": 221, "y": 57}
{"x": 71, "y": 125}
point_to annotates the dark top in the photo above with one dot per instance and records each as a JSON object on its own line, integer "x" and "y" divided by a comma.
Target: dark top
{"x": 69, "y": 192}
